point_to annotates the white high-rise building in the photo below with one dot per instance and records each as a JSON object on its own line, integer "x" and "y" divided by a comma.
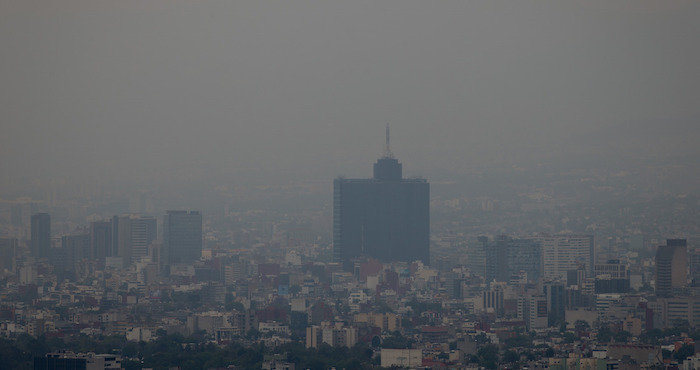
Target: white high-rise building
{"x": 132, "y": 236}
{"x": 562, "y": 253}
{"x": 533, "y": 310}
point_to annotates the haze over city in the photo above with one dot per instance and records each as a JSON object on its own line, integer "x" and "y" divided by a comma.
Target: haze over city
{"x": 175, "y": 94}
{"x": 349, "y": 184}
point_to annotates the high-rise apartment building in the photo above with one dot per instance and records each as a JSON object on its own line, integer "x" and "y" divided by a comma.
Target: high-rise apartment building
{"x": 335, "y": 335}
{"x": 562, "y": 253}
{"x": 532, "y": 309}
{"x": 386, "y": 217}
{"x": 143, "y": 233}
{"x": 506, "y": 257}
{"x": 671, "y": 267}
{"x": 182, "y": 237}
{"x": 41, "y": 235}
{"x": 131, "y": 236}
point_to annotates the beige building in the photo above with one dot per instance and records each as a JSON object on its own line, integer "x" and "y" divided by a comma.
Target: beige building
{"x": 641, "y": 353}
{"x": 406, "y": 358}
{"x": 633, "y": 325}
{"x": 668, "y": 311}
{"x": 334, "y": 335}
{"x": 386, "y": 321}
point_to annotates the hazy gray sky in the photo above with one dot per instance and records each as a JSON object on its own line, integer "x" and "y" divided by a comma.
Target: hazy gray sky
{"x": 165, "y": 89}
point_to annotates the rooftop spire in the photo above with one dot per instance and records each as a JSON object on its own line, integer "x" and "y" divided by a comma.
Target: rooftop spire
{"x": 387, "y": 150}
{"x": 387, "y": 167}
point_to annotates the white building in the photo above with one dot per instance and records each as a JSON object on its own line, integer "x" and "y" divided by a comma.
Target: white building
{"x": 562, "y": 253}
{"x": 273, "y": 326}
{"x": 533, "y": 310}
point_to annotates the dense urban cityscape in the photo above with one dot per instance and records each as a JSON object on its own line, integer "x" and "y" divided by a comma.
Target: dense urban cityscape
{"x": 535, "y": 280}
{"x": 358, "y": 184}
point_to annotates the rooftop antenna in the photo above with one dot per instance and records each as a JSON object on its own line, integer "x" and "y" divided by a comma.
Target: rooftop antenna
{"x": 387, "y": 150}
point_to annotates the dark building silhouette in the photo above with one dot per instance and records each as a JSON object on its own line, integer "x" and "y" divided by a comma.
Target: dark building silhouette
{"x": 101, "y": 241}
{"x": 386, "y": 217}
{"x": 8, "y": 251}
{"x": 555, "y": 293}
{"x": 41, "y": 235}
{"x": 453, "y": 285}
{"x": 671, "y": 267}
{"x": 182, "y": 237}
{"x": 74, "y": 249}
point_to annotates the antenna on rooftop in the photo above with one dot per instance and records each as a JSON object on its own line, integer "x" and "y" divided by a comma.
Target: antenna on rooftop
{"x": 387, "y": 150}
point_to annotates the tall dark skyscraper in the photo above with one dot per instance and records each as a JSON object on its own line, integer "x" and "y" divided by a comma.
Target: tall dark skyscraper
{"x": 8, "y": 251}
{"x": 75, "y": 249}
{"x": 41, "y": 235}
{"x": 101, "y": 241}
{"x": 386, "y": 217}
{"x": 182, "y": 237}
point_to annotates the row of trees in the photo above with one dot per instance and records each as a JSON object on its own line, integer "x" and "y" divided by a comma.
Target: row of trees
{"x": 194, "y": 352}
{"x": 186, "y": 352}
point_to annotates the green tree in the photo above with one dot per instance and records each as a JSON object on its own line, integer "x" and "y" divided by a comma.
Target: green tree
{"x": 684, "y": 352}
{"x": 652, "y": 336}
{"x": 488, "y": 356}
{"x": 420, "y": 307}
{"x": 511, "y": 356}
{"x": 604, "y": 334}
{"x": 130, "y": 350}
{"x": 666, "y": 354}
{"x": 569, "y": 337}
{"x": 482, "y": 338}
{"x": 562, "y": 327}
{"x": 396, "y": 340}
{"x": 382, "y": 307}
{"x": 549, "y": 352}
{"x": 36, "y": 347}
{"x": 520, "y": 340}
{"x": 680, "y": 325}
{"x": 252, "y": 334}
{"x": 622, "y": 336}
{"x": 13, "y": 357}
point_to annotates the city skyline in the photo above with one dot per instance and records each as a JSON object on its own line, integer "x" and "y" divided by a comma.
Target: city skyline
{"x": 187, "y": 184}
